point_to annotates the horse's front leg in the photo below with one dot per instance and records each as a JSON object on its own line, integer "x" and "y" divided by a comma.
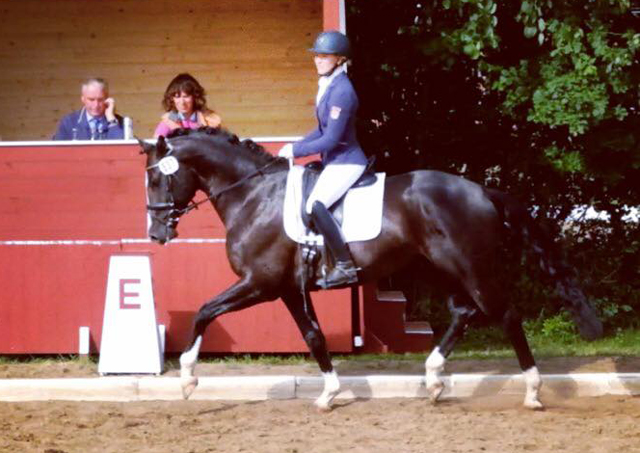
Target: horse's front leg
{"x": 307, "y": 322}
{"x": 188, "y": 359}
{"x": 241, "y": 295}
{"x": 461, "y": 314}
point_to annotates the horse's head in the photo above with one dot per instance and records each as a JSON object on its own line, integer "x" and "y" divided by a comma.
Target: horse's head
{"x": 171, "y": 184}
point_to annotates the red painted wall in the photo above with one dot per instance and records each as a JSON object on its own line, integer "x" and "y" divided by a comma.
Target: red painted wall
{"x": 66, "y": 209}
{"x": 331, "y": 14}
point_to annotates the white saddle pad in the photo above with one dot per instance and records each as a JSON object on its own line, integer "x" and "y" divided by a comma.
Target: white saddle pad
{"x": 362, "y": 212}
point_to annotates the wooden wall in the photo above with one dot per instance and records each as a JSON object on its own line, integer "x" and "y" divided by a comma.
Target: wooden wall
{"x": 250, "y": 55}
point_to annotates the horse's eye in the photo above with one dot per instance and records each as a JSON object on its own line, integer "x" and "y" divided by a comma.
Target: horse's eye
{"x": 154, "y": 181}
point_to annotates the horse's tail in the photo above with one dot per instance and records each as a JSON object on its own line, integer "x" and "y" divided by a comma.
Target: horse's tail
{"x": 549, "y": 255}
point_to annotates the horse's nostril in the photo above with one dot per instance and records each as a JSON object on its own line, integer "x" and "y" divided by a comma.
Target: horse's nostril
{"x": 155, "y": 238}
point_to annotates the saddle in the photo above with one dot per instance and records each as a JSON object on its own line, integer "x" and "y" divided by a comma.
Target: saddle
{"x": 361, "y": 216}
{"x": 310, "y": 176}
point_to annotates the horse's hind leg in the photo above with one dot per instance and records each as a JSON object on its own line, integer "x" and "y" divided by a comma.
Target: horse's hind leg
{"x": 512, "y": 325}
{"x": 307, "y": 321}
{"x": 461, "y": 314}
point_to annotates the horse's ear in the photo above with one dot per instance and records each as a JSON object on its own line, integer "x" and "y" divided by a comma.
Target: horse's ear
{"x": 161, "y": 146}
{"x": 145, "y": 148}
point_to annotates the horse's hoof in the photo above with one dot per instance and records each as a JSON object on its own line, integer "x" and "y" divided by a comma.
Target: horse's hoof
{"x": 323, "y": 407}
{"x": 188, "y": 384}
{"x": 434, "y": 391}
{"x": 535, "y": 405}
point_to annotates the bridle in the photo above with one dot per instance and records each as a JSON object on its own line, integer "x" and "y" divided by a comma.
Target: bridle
{"x": 175, "y": 213}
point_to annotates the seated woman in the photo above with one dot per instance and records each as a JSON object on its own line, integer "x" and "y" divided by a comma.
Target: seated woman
{"x": 186, "y": 106}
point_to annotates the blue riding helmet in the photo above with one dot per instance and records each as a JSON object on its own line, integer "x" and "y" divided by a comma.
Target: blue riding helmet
{"x": 333, "y": 43}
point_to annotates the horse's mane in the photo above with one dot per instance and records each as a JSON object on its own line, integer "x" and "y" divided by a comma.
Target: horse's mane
{"x": 222, "y": 135}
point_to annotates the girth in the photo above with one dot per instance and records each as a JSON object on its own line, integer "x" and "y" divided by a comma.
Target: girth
{"x": 310, "y": 176}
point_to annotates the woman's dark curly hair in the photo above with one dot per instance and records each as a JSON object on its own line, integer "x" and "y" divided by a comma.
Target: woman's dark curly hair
{"x": 188, "y": 84}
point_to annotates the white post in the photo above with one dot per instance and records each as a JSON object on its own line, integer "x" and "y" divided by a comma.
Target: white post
{"x": 162, "y": 331}
{"x": 83, "y": 341}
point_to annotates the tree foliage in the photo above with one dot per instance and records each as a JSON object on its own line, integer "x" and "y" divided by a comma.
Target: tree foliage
{"x": 536, "y": 97}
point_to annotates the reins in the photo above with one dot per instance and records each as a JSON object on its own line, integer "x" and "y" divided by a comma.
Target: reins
{"x": 176, "y": 213}
{"x": 239, "y": 182}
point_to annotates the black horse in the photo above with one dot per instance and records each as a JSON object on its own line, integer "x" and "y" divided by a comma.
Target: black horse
{"x": 457, "y": 226}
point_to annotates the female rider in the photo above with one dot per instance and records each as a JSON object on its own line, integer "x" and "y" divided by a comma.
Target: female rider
{"x": 335, "y": 140}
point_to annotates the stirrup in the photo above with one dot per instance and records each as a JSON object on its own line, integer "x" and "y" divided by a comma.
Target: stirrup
{"x": 344, "y": 273}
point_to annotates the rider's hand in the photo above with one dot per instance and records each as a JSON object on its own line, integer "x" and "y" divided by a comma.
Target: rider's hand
{"x": 286, "y": 151}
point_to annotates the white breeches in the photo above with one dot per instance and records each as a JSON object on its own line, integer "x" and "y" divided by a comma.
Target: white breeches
{"x": 333, "y": 183}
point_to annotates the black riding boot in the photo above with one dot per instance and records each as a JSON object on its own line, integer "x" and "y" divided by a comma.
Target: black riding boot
{"x": 344, "y": 271}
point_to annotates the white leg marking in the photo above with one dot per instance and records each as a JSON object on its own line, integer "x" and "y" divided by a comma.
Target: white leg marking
{"x": 533, "y": 383}
{"x": 331, "y": 389}
{"x": 188, "y": 360}
{"x": 434, "y": 367}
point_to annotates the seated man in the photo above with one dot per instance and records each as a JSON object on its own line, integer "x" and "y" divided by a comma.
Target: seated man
{"x": 96, "y": 120}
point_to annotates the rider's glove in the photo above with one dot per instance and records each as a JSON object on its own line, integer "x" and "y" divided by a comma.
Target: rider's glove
{"x": 286, "y": 151}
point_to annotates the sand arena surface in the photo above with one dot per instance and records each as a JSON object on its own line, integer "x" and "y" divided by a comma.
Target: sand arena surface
{"x": 487, "y": 424}
{"x": 603, "y": 424}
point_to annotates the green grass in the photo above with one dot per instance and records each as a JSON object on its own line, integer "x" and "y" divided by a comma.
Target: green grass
{"x": 489, "y": 344}
{"x": 483, "y": 344}
{"x": 47, "y": 359}
{"x": 261, "y": 359}
{"x": 479, "y": 344}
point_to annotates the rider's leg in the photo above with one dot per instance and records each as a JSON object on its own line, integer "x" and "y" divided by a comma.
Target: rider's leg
{"x": 344, "y": 272}
{"x": 333, "y": 182}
